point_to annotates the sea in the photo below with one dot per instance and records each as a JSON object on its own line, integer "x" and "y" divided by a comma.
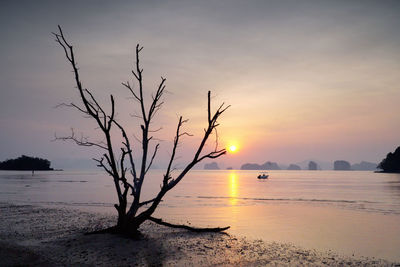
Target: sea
{"x": 345, "y": 212}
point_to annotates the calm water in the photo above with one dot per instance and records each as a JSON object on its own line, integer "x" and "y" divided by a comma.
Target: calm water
{"x": 348, "y": 212}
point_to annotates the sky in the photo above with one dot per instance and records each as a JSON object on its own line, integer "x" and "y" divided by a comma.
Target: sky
{"x": 305, "y": 79}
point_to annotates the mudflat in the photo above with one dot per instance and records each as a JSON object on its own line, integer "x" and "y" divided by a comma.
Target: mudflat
{"x": 34, "y": 235}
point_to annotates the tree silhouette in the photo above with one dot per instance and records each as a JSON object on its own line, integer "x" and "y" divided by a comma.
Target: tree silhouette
{"x": 128, "y": 176}
{"x": 26, "y": 163}
{"x": 392, "y": 162}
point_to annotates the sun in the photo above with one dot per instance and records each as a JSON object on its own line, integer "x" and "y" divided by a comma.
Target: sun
{"x": 232, "y": 149}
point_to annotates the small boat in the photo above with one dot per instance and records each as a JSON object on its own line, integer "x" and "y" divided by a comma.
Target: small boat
{"x": 262, "y": 176}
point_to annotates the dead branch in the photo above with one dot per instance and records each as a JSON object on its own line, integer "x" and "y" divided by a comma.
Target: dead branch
{"x": 128, "y": 149}
{"x": 146, "y": 202}
{"x": 82, "y": 141}
{"x": 152, "y": 158}
{"x": 190, "y": 228}
{"x": 93, "y": 108}
{"x": 168, "y": 181}
{"x": 101, "y": 164}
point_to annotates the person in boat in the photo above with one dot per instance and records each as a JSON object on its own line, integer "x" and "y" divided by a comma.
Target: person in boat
{"x": 262, "y": 176}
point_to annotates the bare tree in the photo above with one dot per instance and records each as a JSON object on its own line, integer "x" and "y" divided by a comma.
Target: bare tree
{"x": 128, "y": 176}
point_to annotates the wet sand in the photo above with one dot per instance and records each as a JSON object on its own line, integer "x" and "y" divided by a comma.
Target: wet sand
{"x": 33, "y": 236}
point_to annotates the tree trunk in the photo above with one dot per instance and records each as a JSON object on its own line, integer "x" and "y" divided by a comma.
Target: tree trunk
{"x": 127, "y": 226}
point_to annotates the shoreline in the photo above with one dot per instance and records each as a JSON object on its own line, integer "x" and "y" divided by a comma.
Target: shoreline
{"x": 34, "y": 235}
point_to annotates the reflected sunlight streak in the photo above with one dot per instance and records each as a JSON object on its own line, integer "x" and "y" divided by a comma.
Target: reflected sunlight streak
{"x": 233, "y": 188}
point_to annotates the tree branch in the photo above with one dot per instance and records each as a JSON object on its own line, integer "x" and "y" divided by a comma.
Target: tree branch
{"x": 128, "y": 149}
{"x": 193, "y": 229}
{"x": 152, "y": 158}
{"x": 168, "y": 182}
{"x": 146, "y": 202}
{"x": 83, "y": 141}
{"x": 101, "y": 164}
{"x": 127, "y": 85}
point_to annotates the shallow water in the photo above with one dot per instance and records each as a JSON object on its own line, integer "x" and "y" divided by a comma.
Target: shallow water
{"x": 348, "y": 212}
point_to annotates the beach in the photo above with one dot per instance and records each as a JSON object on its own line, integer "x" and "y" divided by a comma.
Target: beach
{"x": 33, "y": 235}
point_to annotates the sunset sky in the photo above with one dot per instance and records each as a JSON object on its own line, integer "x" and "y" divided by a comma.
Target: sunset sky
{"x": 305, "y": 79}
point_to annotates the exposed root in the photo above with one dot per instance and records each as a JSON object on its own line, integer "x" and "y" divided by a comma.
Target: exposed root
{"x": 109, "y": 230}
{"x": 137, "y": 235}
{"x": 193, "y": 229}
{"x": 116, "y": 231}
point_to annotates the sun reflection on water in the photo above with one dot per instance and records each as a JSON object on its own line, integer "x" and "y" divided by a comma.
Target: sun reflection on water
{"x": 233, "y": 188}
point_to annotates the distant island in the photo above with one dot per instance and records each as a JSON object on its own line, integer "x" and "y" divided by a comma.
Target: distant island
{"x": 312, "y": 166}
{"x": 392, "y": 162}
{"x": 341, "y": 165}
{"x": 211, "y": 166}
{"x": 25, "y": 163}
{"x": 293, "y": 167}
{"x": 364, "y": 166}
{"x": 338, "y": 165}
{"x": 266, "y": 166}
